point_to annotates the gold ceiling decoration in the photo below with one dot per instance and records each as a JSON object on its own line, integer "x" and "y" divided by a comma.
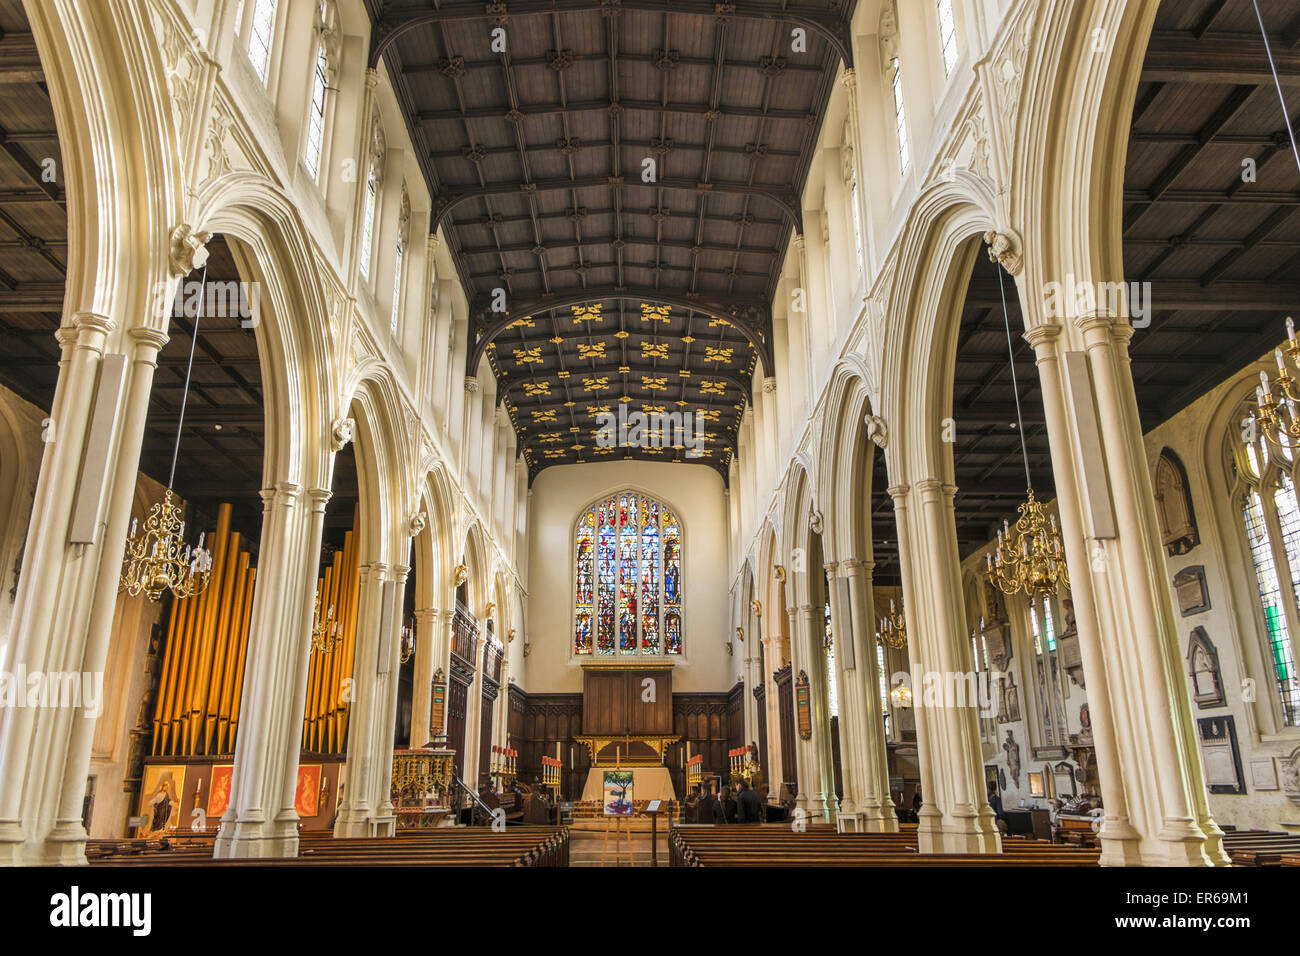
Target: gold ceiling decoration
{"x": 714, "y": 323}
{"x": 688, "y": 339}
{"x": 594, "y": 410}
{"x": 594, "y": 350}
{"x": 587, "y": 313}
{"x": 554, "y": 453}
{"x": 717, "y": 355}
{"x": 654, "y": 381}
{"x": 548, "y": 437}
{"x": 525, "y": 356}
{"x": 525, "y": 323}
{"x": 557, "y": 340}
{"x": 621, "y": 334}
{"x": 654, "y": 350}
{"x": 624, "y": 369}
{"x": 709, "y": 387}
{"x": 655, "y": 313}
{"x": 710, "y": 414}
{"x": 684, "y": 372}
{"x": 543, "y": 414}
{"x": 537, "y": 388}
{"x": 595, "y": 383}
{"x": 562, "y": 374}
{"x": 654, "y": 409}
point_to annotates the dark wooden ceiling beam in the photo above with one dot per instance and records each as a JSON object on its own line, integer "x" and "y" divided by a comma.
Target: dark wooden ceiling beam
{"x": 551, "y": 245}
{"x": 32, "y": 297}
{"x": 1178, "y": 56}
{"x": 1186, "y": 295}
{"x": 508, "y": 381}
{"x": 19, "y": 60}
{"x": 395, "y": 22}
{"x": 30, "y": 167}
{"x": 466, "y": 64}
{"x": 786, "y": 200}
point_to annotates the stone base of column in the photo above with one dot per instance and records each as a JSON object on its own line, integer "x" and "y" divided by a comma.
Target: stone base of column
{"x": 256, "y": 840}
{"x": 1120, "y": 844}
{"x": 972, "y": 835}
{"x": 365, "y": 823}
{"x": 929, "y": 829}
{"x": 65, "y": 846}
{"x": 1182, "y": 843}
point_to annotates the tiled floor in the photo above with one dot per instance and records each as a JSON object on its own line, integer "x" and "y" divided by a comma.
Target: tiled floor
{"x": 585, "y": 849}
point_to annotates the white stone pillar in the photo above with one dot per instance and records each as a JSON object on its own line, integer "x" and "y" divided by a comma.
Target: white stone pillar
{"x": 261, "y": 820}
{"x": 813, "y": 770}
{"x": 427, "y": 643}
{"x": 867, "y": 805}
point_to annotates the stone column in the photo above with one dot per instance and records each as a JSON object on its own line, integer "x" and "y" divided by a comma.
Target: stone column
{"x": 814, "y": 770}
{"x": 969, "y": 825}
{"x": 868, "y": 805}
{"x": 929, "y": 756}
{"x": 474, "y": 711}
{"x": 769, "y": 661}
{"x": 63, "y": 611}
{"x": 1152, "y": 781}
{"x": 369, "y": 759}
{"x": 427, "y": 643}
{"x": 261, "y": 820}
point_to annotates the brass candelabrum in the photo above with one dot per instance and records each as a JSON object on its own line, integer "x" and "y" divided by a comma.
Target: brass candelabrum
{"x": 324, "y": 630}
{"x": 1282, "y": 433}
{"x": 891, "y": 629}
{"x": 1029, "y": 556}
{"x": 408, "y": 641}
{"x": 159, "y": 560}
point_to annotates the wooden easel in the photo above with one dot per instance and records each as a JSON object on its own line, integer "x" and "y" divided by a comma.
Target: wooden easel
{"x": 619, "y": 825}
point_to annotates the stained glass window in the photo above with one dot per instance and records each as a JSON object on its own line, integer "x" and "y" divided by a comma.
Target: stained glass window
{"x": 627, "y": 590}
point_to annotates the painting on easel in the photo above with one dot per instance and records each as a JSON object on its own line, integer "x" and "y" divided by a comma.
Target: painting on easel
{"x": 618, "y": 793}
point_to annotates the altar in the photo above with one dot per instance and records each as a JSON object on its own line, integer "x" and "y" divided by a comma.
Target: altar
{"x": 648, "y": 783}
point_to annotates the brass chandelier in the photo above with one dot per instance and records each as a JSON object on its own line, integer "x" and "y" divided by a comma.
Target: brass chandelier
{"x": 1029, "y": 556}
{"x": 324, "y": 630}
{"x": 1282, "y": 433}
{"x": 159, "y": 560}
{"x": 891, "y": 629}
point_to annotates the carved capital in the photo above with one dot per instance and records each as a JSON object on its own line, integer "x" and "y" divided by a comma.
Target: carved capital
{"x": 471, "y": 385}
{"x": 1004, "y": 248}
{"x": 188, "y": 249}
{"x": 877, "y": 430}
{"x": 342, "y": 433}
{"x": 816, "y": 522}
{"x": 417, "y": 523}
{"x": 769, "y": 385}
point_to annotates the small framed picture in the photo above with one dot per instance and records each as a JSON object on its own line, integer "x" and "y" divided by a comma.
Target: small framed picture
{"x": 1263, "y": 774}
{"x": 1036, "y": 785}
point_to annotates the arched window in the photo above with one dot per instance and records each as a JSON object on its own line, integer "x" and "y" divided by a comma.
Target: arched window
{"x": 628, "y": 578}
{"x": 1264, "y": 490}
{"x": 374, "y": 179}
{"x": 326, "y": 68}
{"x": 403, "y": 234}
{"x": 259, "y": 31}
{"x": 947, "y": 36}
{"x": 900, "y": 114}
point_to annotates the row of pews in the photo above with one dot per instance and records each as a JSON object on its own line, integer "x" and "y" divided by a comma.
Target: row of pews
{"x": 779, "y": 845}
{"x": 450, "y": 846}
{"x": 1262, "y": 847}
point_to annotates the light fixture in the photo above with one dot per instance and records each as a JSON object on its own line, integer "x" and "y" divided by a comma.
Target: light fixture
{"x": 1281, "y": 432}
{"x": 324, "y": 630}
{"x": 901, "y": 694}
{"x": 159, "y": 560}
{"x": 1032, "y": 559}
{"x": 891, "y": 629}
{"x": 408, "y": 641}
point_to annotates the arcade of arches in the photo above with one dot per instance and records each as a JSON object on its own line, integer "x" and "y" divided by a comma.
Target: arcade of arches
{"x": 570, "y": 387}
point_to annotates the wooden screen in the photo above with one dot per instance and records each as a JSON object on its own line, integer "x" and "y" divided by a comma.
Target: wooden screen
{"x": 614, "y": 700}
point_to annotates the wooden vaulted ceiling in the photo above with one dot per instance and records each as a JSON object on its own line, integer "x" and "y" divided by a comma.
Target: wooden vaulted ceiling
{"x": 616, "y": 286}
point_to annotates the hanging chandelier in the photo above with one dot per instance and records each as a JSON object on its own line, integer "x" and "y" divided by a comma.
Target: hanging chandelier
{"x": 1029, "y": 557}
{"x": 159, "y": 560}
{"x": 891, "y": 629}
{"x": 1281, "y": 432}
{"x": 324, "y": 630}
{"x": 408, "y": 641}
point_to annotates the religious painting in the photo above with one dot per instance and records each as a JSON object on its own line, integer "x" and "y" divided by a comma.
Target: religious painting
{"x": 618, "y": 793}
{"x": 1221, "y": 757}
{"x": 160, "y": 800}
{"x": 306, "y": 799}
{"x": 219, "y": 790}
{"x": 1189, "y": 588}
{"x": 1036, "y": 785}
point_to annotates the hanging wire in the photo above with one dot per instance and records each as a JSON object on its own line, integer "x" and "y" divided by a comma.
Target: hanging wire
{"x": 1277, "y": 82}
{"x": 1015, "y": 387}
{"x": 194, "y": 338}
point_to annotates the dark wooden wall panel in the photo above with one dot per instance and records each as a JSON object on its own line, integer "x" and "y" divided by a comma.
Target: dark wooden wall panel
{"x": 760, "y": 700}
{"x": 785, "y": 705}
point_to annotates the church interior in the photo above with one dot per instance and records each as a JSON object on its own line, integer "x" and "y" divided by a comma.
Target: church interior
{"x": 561, "y": 432}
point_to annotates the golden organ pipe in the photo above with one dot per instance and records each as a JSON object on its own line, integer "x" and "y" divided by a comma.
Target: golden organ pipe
{"x": 211, "y": 672}
{"x": 213, "y": 600}
{"x": 169, "y": 654}
{"x": 249, "y": 589}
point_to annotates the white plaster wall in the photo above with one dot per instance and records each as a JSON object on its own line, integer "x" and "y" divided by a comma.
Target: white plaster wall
{"x": 696, "y": 492}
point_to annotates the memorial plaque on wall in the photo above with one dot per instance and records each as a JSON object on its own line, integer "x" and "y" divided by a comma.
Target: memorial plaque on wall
{"x": 803, "y": 706}
{"x": 438, "y": 705}
{"x": 1189, "y": 588}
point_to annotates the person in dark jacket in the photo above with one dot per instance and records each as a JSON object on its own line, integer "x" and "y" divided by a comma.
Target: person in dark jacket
{"x": 724, "y": 810}
{"x": 749, "y": 808}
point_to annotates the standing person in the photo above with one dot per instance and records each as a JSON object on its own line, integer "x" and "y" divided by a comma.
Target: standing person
{"x": 916, "y": 804}
{"x": 708, "y": 807}
{"x": 749, "y": 808}
{"x": 724, "y": 811}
